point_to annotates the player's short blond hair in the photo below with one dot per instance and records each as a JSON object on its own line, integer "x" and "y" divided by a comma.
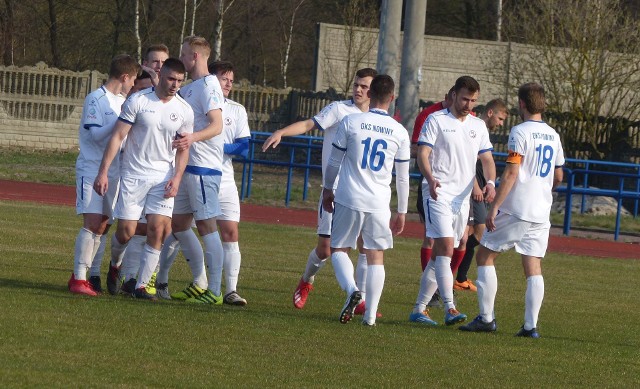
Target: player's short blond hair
{"x": 198, "y": 44}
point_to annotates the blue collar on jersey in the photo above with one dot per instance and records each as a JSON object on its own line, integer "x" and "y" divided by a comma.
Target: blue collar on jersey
{"x": 379, "y": 111}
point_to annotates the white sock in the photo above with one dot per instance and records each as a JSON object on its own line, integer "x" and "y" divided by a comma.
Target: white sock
{"x": 117, "y": 251}
{"x": 214, "y": 258}
{"x": 314, "y": 264}
{"x": 232, "y": 259}
{"x": 487, "y": 284}
{"x": 100, "y": 242}
{"x": 533, "y": 301}
{"x": 132, "y": 255}
{"x": 361, "y": 274}
{"x": 168, "y": 254}
{"x": 83, "y": 253}
{"x": 428, "y": 287}
{"x": 375, "y": 284}
{"x": 445, "y": 281}
{"x": 148, "y": 263}
{"x": 192, "y": 250}
{"x": 344, "y": 271}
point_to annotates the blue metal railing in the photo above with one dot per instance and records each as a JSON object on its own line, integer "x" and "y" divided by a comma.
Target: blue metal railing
{"x": 585, "y": 169}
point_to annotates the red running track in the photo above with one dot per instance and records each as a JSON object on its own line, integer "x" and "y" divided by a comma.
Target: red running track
{"x": 65, "y": 195}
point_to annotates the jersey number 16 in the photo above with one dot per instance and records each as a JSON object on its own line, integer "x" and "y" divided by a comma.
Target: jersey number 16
{"x": 371, "y": 152}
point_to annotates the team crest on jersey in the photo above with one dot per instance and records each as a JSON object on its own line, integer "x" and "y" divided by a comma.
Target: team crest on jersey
{"x": 472, "y": 133}
{"x": 92, "y": 111}
{"x": 173, "y": 117}
{"x": 227, "y": 121}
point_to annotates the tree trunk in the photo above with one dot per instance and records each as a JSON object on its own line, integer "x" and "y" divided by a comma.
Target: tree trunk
{"x": 193, "y": 17}
{"x": 53, "y": 34}
{"x": 7, "y": 33}
{"x": 184, "y": 25}
{"x": 285, "y": 60}
{"x": 137, "y": 32}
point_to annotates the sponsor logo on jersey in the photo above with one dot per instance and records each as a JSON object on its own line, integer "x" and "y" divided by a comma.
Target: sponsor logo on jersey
{"x": 109, "y": 113}
{"x": 144, "y": 110}
{"x": 173, "y": 117}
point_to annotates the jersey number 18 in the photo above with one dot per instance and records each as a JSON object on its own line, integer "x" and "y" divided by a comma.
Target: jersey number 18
{"x": 544, "y": 156}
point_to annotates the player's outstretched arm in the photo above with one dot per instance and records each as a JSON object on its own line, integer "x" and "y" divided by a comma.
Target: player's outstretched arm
{"x": 297, "y": 128}
{"x": 120, "y": 131}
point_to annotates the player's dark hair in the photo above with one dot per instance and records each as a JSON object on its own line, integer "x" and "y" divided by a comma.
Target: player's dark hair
{"x": 123, "y": 64}
{"x": 496, "y": 105}
{"x": 366, "y": 72}
{"x": 382, "y": 88}
{"x": 175, "y": 65}
{"x": 157, "y": 47}
{"x": 532, "y": 94}
{"x": 467, "y": 82}
{"x": 220, "y": 67}
{"x": 143, "y": 75}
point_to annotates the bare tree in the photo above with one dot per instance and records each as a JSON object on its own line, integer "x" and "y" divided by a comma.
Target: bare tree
{"x": 288, "y": 38}
{"x": 6, "y": 17}
{"x": 587, "y": 56}
{"x": 184, "y": 25}
{"x": 217, "y": 28}
{"x": 53, "y": 34}
{"x": 137, "y": 31}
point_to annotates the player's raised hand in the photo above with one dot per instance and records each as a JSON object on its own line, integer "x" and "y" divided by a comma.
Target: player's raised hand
{"x": 327, "y": 200}
{"x": 273, "y": 141}
{"x": 397, "y": 224}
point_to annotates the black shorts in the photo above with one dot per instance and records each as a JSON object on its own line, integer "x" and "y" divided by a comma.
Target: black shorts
{"x": 420, "y": 204}
{"x": 478, "y": 213}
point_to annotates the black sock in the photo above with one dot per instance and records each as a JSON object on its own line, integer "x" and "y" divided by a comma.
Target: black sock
{"x": 472, "y": 242}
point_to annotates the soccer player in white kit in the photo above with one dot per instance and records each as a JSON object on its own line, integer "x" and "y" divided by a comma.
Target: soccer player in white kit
{"x": 519, "y": 215}
{"x": 151, "y": 169}
{"x": 236, "y": 142}
{"x": 99, "y": 114}
{"x": 365, "y": 150}
{"x": 450, "y": 143}
{"x": 155, "y": 56}
{"x": 198, "y": 196}
{"x": 328, "y": 121}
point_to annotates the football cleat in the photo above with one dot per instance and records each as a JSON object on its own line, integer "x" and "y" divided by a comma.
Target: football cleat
{"x": 162, "y": 291}
{"x": 113, "y": 280}
{"x": 479, "y": 325}
{"x": 532, "y": 333}
{"x": 423, "y": 318}
{"x": 350, "y": 306}
{"x": 141, "y": 293}
{"x": 361, "y": 308}
{"x": 452, "y": 316}
{"x": 206, "y": 298}
{"x": 151, "y": 286}
{"x": 80, "y": 286}
{"x": 466, "y": 285}
{"x": 436, "y": 301}
{"x": 367, "y": 324}
{"x": 191, "y": 291}
{"x": 233, "y": 298}
{"x": 128, "y": 287}
{"x": 301, "y": 294}
{"x": 96, "y": 284}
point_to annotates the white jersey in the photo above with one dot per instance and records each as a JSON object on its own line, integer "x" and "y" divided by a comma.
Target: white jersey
{"x": 99, "y": 114}
{"x": 147, "y": 152}
{"x": 328, "y": 121}
{"x": 236, "y": 126}
{"x": 539, "y": 145}
{"x": 455, "y": 148}
{"x": 204, "y": 95}
{"x": 373, "y": 141}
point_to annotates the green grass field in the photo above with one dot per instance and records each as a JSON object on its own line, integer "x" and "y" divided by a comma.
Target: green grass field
{"x": 51, "y": 338}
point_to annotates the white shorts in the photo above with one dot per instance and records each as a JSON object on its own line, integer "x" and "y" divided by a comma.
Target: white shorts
{"x": 446, "y": 219}
{"x": 348, "y": 224}
{"x": 324, "y": 220}
{"x": 198, "y": 195}
{"x": 138, "y": 197}
{"x": 527, "y": 237}
{"x": 229, "y": 202}
{"x": 89, "y": 201}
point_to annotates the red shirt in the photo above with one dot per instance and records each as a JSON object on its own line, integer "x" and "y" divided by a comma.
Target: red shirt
{"x": 422, "y": 117}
